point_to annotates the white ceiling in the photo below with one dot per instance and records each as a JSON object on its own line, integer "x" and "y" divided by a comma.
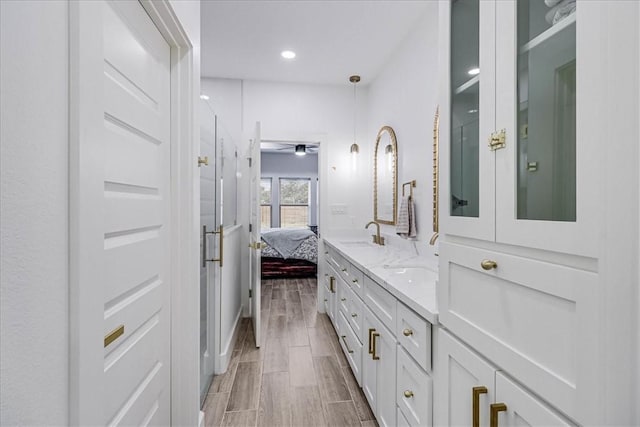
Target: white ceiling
{"x": 333, "y": 39}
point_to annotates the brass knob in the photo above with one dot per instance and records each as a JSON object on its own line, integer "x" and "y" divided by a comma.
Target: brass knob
{"x": 407, "y": 332}
{"x": 343, "y": 299}
{"x": 408, "y": 394}
{"x": 355, "y": 280}
{"x": 325, "y": 300}
{"x": 326, "y": 253}
{"x": 344, "y": 270}
{"x": 488, "y": 264}
{"x": 354, "y": 315}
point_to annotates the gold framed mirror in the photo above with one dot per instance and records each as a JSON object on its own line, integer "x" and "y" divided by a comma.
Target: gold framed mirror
{"x": 385, "y": 177}
{"x": 436, "y": 131}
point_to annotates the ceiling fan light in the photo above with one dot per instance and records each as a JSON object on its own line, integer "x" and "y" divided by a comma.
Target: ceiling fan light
{"x": 301, "y": 150}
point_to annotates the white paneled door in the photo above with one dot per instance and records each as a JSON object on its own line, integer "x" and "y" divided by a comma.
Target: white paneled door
{"x": 254, "y": 235}
{"x": 124, "y": 215}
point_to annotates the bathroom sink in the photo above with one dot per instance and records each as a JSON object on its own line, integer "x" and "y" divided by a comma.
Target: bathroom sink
{"x": 358, "y": 244}
{"x": 409, "y": 275}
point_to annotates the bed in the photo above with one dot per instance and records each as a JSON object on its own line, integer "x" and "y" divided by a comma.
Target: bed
{"x": 289, "y": 252}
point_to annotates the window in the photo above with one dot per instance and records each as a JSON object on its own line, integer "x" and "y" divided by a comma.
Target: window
{"x": 265, "y": 203}
{"x": 294, "y": 202}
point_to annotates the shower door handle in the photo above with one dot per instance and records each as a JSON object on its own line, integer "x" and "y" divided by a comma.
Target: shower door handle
{"x": 220, "y": 232}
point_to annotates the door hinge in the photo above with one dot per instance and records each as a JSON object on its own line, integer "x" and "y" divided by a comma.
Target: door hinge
{"x": 498, "y": 140}
{"x": 250, "y": 293}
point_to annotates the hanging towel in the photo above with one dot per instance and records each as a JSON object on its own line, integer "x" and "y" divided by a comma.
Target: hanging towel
{"x": 406, "y": 224}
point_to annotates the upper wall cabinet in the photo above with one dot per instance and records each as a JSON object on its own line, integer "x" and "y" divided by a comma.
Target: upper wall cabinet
{"x": 518, "y": 125}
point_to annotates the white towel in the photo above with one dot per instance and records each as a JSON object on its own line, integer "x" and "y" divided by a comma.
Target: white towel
{"x": 406, "y": 223}
{"x": 560, "y": 11}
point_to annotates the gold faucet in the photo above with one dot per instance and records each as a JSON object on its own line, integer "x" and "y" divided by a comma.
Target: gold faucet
{"x": 434, "y": 238}
{"x": 377, "y": 239}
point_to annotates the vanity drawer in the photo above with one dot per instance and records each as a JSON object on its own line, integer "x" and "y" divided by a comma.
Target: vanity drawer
{"x": 381, "y": 303}
{"x": 413, "y": 391}
{"x": 414, "y": 334}
{"x": 344, "y": 296}
{"x": 356, "y": 317}
{"x": 351, "y": 347}
{"x": 356, "y": 280}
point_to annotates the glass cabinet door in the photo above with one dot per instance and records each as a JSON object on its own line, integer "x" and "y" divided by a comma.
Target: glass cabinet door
{"x": 537, "y": 65}
{"x": 546, "y": 110}
{"x": 467, "y": 117}
{"x": 465, "y": 108}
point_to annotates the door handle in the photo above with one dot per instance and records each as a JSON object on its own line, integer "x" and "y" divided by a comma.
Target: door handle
{"x": 494, "y": 410}
{"x": 220, "y": 232}
{"x": 374, "y": 356}
{"x": 332, "y": 281}
{"x": 371, "y": 331}
{"x": 477, "y": 391}
{"x": 488, "y": 264}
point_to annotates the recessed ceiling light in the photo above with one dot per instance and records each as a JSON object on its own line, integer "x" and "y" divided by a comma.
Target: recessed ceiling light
{"x": 474, "y": 71}
{"x": 288, "y": 54}
{"x": 205, "y": 97}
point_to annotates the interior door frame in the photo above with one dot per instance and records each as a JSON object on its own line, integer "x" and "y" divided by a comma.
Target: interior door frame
{"x": 322, "y": 214}
{"x": 85, "y": 45}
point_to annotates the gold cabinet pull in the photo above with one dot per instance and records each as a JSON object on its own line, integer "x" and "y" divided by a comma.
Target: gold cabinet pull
{"x": 113, "y": 335}
{"x": 494, "y": 410}
{"x": 332, "y": 281}
{"x": 407, "y": 332}
{"x": 498, "y": 140}
{"x": 371, "y": 331}
{"x": 325, "y": 300}
{"x": 374, "y": 335}
{"x": 488, "y": 264}
{"x": 344, "y": 270}
{"x": 344, "y": 339}
{"x": 343, "y": 299}
{"x": 477, "y": 391}
{"x": 203, "y": 161}
{"x": 354, "y": 315}
{"x": 354, "y": 281}
{"x": 408, "y": 394}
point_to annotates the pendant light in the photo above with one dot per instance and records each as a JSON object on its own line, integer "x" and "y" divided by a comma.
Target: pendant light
{"x": 355, "y": 149}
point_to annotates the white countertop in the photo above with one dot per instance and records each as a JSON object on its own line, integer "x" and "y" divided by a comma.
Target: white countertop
{"x": 409, "y": 277}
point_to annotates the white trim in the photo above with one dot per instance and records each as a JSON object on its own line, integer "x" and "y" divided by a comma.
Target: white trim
{"x": 85, "y": 32}
{"x": 185, "y": 210}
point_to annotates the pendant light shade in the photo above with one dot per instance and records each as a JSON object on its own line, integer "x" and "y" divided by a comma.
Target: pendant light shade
{"x": 301, "y": 150}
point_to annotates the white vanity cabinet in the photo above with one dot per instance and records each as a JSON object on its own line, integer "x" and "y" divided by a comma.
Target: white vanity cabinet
{"x": 471, "y": 391}
{"x": 330, "y": 293}
{"x": 518, "y": 141}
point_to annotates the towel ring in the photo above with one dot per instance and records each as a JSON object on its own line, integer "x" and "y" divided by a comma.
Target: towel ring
{"x": 411, "y": 185}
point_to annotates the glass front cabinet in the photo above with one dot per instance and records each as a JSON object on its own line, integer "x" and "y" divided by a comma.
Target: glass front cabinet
{"x": 517, "y": 128}
{"x": 519, "y": 173}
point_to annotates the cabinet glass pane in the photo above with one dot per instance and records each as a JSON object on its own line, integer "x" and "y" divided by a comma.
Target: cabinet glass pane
{"x": 465, "y": 82}
{"x": 546, "y": 110}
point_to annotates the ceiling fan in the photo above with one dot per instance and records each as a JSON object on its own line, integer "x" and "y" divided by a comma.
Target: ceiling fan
{"x": 286, "y": 147}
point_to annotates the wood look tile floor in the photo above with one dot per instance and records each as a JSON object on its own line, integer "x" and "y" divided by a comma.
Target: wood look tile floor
{"x": 298, "y": 377}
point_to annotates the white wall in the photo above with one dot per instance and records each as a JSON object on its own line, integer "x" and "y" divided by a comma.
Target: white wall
{"x": 34, "y": 215}
{"x": 288, "y": 165}
{"x": 404, "y": 96}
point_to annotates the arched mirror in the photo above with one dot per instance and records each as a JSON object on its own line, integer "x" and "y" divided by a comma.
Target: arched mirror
{"x": 385, "y": 177}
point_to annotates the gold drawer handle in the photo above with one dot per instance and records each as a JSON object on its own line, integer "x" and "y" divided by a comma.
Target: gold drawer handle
{"x": 371, "y": 331}
{"x": 477, "y": 391}
{"x": 344, "y": 339}
{"x": 408, "y": 394}
{"x": 354, "y": 315}
{"x": 355, "y": 280}
{"x": 374, "y": 335}
{"x": 332, "y": 281}
{"x": 113, "y": 335}
{"x": 343, "y": 299}
{"x": 488, "y": 264}
{"x": 494, "y": 409}
{"x": 344, "y": 270}
{"x": 407, "y": 332}
{"x": 325, "y": 300}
